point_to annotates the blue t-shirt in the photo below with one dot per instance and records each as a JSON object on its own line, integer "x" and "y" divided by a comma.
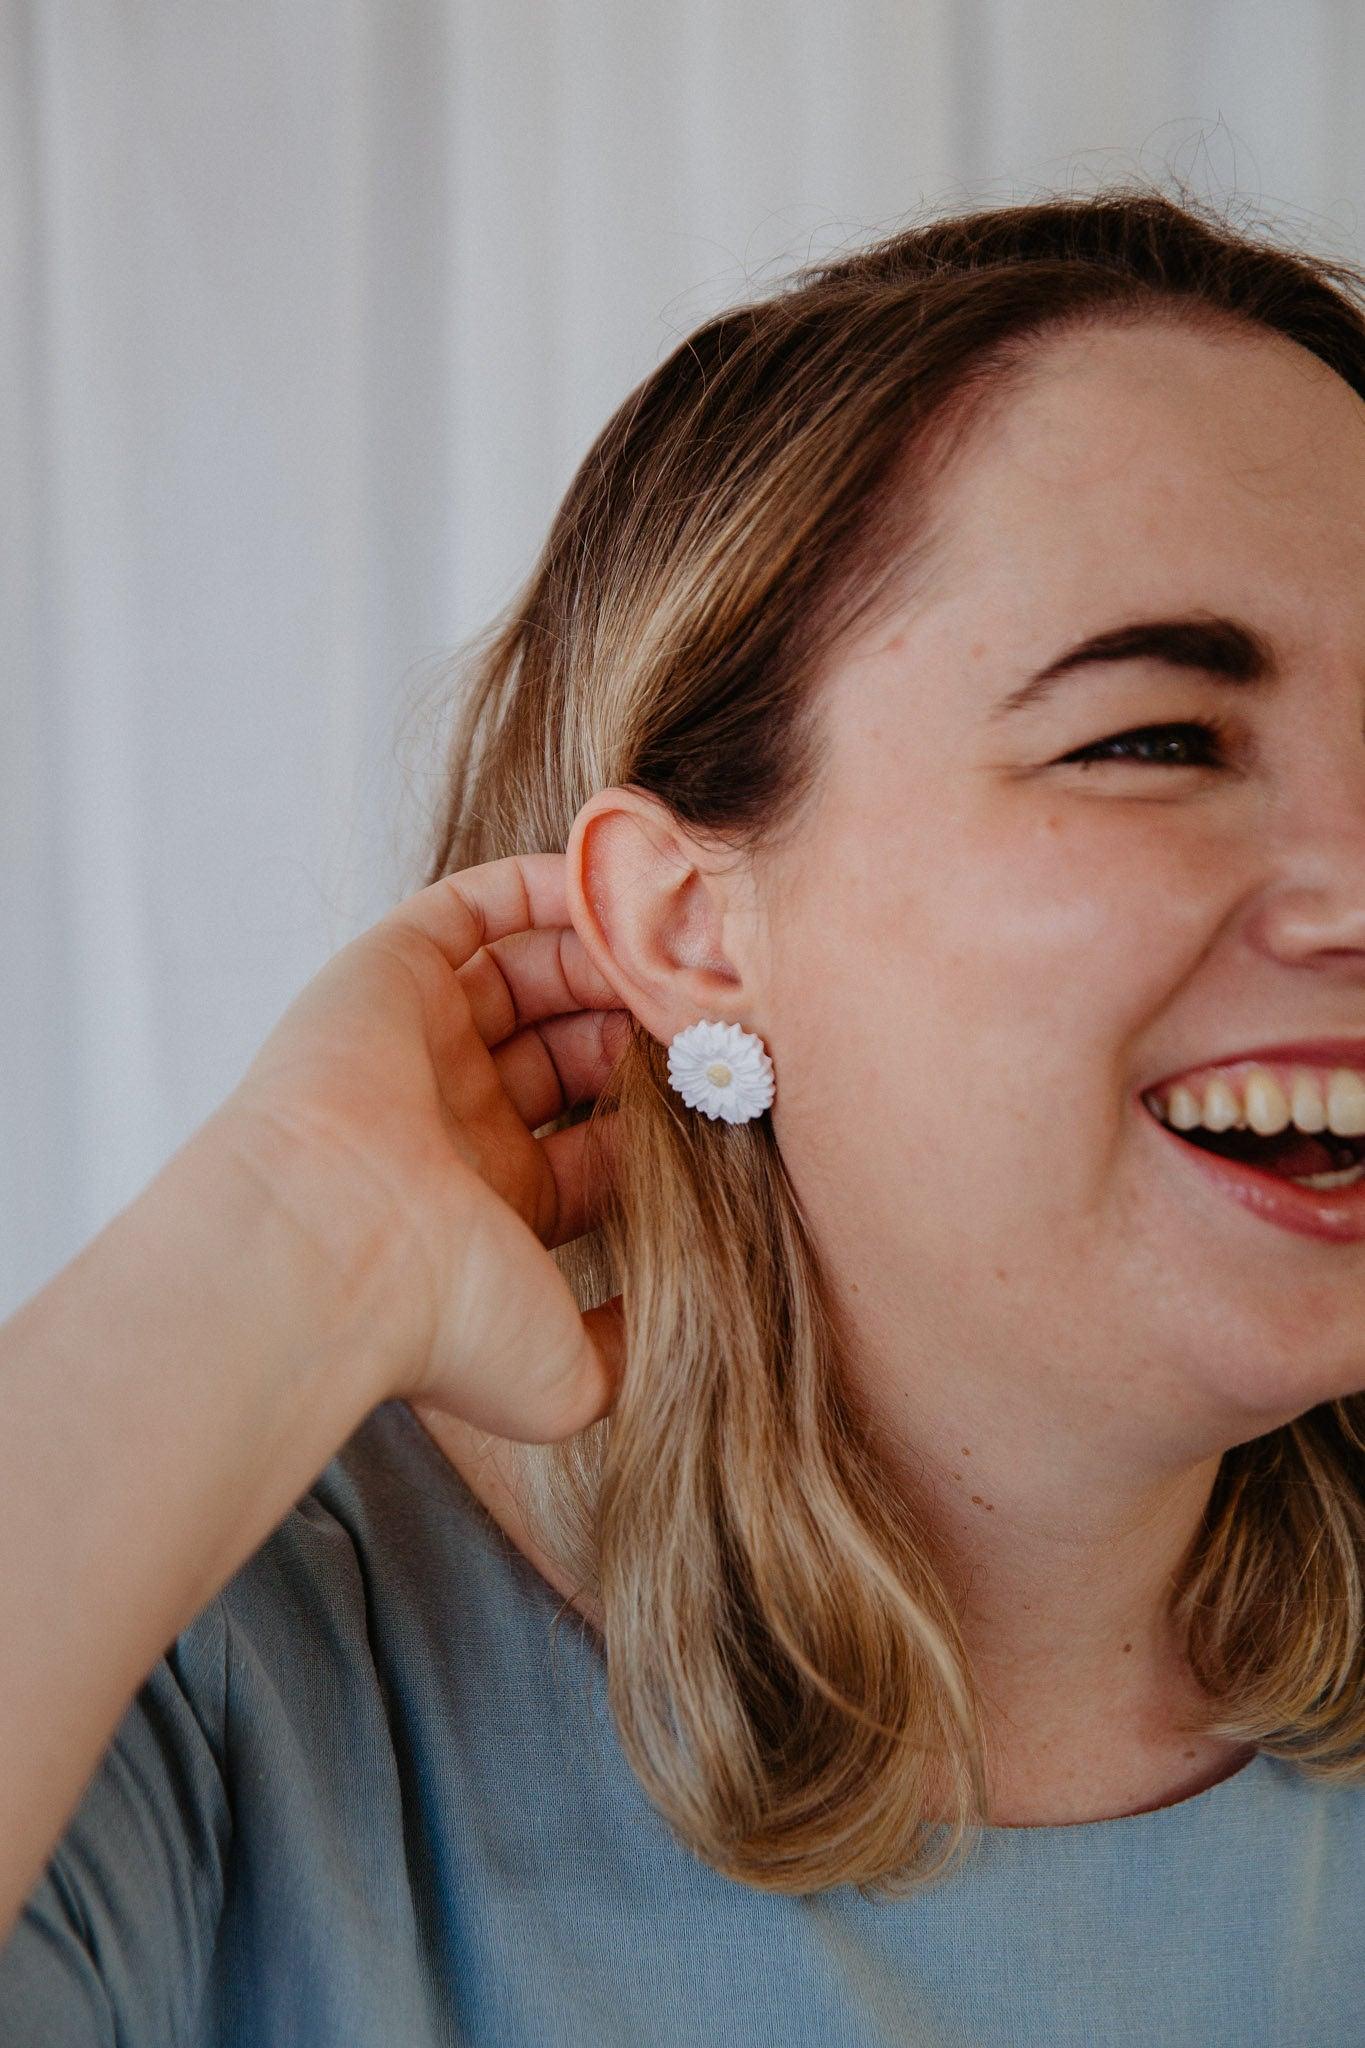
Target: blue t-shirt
{"x": 368, "y": 1799}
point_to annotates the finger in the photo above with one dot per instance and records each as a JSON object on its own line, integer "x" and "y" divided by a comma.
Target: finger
{"x": 531, "y": 975}
{"x": 542, "y": 1373}
{"x": 461, "y": 912}
{"x": 605, "y": 1326}
{"x": 551, "y": 1067}
{"x": 582, "y": 1161}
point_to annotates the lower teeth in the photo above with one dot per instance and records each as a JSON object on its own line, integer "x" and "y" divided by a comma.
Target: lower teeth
{"x": 1345, "y": 1179}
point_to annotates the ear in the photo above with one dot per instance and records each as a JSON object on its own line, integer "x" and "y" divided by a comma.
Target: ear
{"x": 659, "y": 914}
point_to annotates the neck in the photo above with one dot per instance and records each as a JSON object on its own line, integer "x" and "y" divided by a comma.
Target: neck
{"x": 1087, "y": 1694}
{"x": 1061, "y": 1584}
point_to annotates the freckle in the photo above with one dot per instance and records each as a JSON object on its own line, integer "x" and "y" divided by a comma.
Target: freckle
{"x": 957, "y": 1479}
{"x": 976, "y": 1500}
{"x": 990, "y": 1507}
{"x": 1000, "y": 1273}
{"x": 965, "y": 1452}
{"x": 1126, "y": 1648}
{"x": 853, "y": 1287}
{"x": 1190, "y": 1754}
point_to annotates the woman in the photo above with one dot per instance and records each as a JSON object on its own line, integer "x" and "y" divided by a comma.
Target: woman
{"x": 946, "y": 672}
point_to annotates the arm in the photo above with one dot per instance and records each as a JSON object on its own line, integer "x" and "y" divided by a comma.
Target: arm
{"x": 164, "y": 1401}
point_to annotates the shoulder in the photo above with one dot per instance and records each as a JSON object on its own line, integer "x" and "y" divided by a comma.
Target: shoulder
{"x": 384, "y": 1521}
{"x": 390, "y": 1568}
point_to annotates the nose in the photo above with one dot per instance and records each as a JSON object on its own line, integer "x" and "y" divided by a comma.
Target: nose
{"x": 1313, "y": 907}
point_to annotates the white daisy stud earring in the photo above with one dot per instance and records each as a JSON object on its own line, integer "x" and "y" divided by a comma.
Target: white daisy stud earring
{"x": 721, "y": 1069}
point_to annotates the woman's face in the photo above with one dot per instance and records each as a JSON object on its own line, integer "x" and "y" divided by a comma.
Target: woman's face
{"x": 980, "y": 953}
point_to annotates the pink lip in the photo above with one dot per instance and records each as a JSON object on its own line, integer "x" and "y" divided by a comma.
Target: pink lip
{"x": 1336, "y": 1215}
{"x": 1342, "y": 1052}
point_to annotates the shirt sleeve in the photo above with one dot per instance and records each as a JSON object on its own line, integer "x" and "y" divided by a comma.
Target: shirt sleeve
{"x": 114, "y": 1942}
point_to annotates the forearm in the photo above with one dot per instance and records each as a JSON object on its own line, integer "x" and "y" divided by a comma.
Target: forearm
{"x": 164, "y": 1401}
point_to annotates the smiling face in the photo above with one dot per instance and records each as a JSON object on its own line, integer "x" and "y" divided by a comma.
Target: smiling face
{"x": 981, "y": 951}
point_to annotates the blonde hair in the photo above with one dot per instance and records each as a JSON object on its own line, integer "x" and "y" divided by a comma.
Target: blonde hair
{"x": 785, "y": 1667}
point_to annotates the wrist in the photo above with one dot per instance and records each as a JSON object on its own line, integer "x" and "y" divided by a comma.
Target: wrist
{"x": 300, "y": 1282}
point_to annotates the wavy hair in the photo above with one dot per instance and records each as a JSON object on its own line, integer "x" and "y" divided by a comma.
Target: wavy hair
{"x": 785, "y": 1667}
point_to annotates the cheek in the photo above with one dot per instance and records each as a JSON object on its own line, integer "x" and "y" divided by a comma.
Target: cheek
{"x": 1011, "y": 958}
{"x": 1081, "y": 921}
{"x": 1015, "y": 993}
{"x": 1046, "y": 932}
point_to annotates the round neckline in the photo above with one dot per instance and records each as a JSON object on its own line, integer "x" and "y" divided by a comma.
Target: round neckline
{"x": 1119, "y": 1820}
{"x": 560, "y": 1608}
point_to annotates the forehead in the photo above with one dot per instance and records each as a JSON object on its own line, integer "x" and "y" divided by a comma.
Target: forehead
{"x": 1150, "y": 470}
{"x": 1134, "y": 445}
{"x": 1142, "y": 469}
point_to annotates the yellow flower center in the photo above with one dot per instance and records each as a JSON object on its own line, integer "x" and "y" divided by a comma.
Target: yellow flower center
{"x": 719, "y": 1073}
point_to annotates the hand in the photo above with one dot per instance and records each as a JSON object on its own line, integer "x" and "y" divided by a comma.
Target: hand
{"x": 391, "y": 1113}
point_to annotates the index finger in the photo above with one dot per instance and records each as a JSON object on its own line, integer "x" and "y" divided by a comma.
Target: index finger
{"x": 461, "y": 912}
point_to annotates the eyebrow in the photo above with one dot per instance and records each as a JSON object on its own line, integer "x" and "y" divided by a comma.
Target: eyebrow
{"x": 1225, "y": 649}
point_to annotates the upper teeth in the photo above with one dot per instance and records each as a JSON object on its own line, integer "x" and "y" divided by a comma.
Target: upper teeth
{"x": 1254, "y": 1099}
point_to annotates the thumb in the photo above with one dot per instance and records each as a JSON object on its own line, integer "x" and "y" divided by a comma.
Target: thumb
{"x": 604, "y": 1327}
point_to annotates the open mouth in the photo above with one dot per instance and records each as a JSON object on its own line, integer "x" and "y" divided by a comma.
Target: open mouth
{"x": 1320, "y": 1160}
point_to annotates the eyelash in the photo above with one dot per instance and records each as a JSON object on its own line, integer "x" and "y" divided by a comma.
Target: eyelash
{"x": 1212, "y": 732}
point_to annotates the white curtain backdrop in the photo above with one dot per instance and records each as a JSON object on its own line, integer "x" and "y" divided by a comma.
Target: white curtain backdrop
{"x": 309, "y": 311}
